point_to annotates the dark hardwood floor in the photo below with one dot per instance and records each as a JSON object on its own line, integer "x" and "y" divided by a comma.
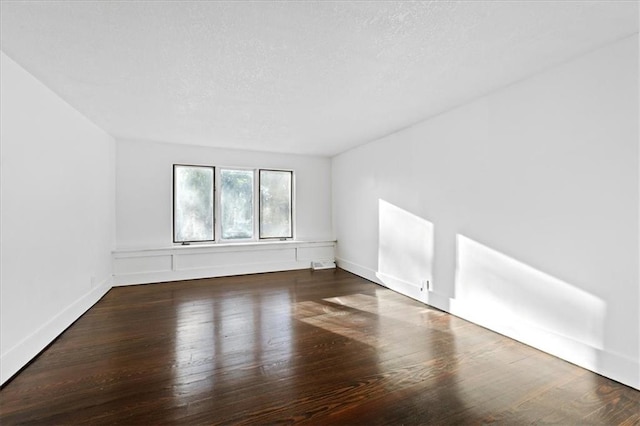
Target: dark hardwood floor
{"x": 322, "y": 347}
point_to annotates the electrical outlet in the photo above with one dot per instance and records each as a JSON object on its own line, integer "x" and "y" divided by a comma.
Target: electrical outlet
{"x": 424, "y": 285}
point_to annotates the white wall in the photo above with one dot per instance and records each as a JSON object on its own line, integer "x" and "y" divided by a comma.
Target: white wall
{"x": 58, "y": 216}
{"x": 144, "y": 188}
{"x": 529, "y": 199}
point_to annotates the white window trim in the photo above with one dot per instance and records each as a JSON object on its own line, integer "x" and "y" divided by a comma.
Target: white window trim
{"x": 217, "y": 214}
{"x": 293, "y": 206}
{"x": 218, "y": 209}
{"x": 173, "y": 205}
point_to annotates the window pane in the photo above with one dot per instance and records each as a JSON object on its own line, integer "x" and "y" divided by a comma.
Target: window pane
{"x": 275, "y": 204}
{"x": 236, "y": 203}
{"x": 192, "y": 203}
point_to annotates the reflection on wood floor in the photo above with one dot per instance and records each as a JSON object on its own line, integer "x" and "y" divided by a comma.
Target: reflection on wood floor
{"x": 324, "y": 347}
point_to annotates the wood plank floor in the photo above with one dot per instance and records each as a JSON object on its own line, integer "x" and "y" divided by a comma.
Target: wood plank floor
{"x": 323, "y": 347}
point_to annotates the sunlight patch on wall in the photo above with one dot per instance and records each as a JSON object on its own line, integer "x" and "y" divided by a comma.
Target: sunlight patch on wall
{"x": 529, "y": 305}
{"x": 405, "y": 250}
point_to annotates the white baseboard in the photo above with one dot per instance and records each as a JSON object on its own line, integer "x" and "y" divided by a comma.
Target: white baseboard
{"x": 606, "y": 363}
{"x": 359, "y": 270}
{"x": 22, "y": 353}
{"x": 403, "y": 286}
{"x": 615, "y": 366}
{"x": 620, "y": 368}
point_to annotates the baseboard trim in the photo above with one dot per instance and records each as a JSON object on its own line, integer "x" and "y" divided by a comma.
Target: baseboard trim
{"x": 359, "y": 270}
{"x": 618, "y": 367}
{"x": 14, "y": 359}
{"x": 615, "y": 366}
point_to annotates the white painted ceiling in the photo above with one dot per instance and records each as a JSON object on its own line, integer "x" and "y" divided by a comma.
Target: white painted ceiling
{"x": 300, "y": 77}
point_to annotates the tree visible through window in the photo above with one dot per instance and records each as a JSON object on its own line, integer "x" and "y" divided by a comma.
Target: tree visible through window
{"x": 236, "y": 203}
{"x": 275, "y": 204}
{"x": 193, "y": 203}
{"x": 244, "y": 209}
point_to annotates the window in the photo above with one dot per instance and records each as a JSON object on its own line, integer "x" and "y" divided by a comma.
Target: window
{"x": 193, "y": 203}
{"x": 226, "y": 204}
{"x": 275, "y": 204}
{"x": 236, "y": 204}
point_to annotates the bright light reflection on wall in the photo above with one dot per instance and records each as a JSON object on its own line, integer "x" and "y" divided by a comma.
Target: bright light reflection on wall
{"x": 405, "y": 250}
{"x": 522, "y": 302}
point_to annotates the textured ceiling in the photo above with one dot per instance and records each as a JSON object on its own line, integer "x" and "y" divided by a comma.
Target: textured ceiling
{"x": 299, "y": 77}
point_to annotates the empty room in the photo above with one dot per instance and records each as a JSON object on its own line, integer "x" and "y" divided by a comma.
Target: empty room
{"x": 320, "y": 212}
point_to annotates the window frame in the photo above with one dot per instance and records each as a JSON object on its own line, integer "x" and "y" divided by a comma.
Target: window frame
{"x": 291, "y": 210}
{"x": 213, "y": 210}
{"x": 218, "y": 209}
{"x": 217, "y": 206}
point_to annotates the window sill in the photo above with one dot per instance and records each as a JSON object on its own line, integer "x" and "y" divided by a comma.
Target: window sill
{"x": 266, "y": 244}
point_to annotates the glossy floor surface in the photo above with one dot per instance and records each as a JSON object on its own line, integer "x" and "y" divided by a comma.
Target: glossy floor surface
{"x": 321, "y": 348}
